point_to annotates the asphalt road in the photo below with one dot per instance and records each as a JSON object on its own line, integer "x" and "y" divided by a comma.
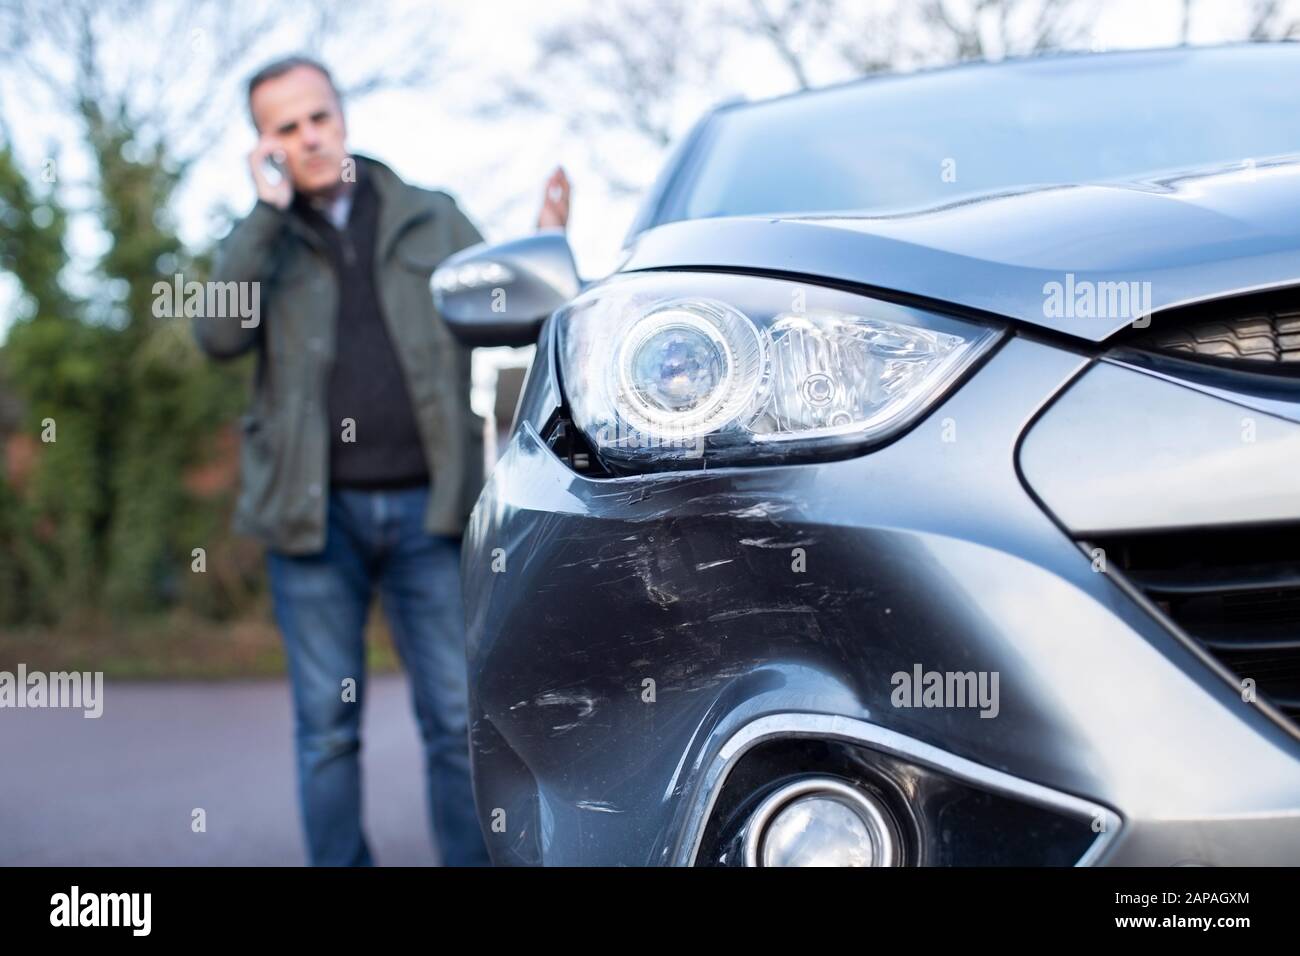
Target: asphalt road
{"x": 121, "y": 790}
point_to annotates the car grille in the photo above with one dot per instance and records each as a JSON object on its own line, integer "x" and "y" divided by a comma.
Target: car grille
{"x": 1264, "y": 331}
{"x": 1236, "y": 591}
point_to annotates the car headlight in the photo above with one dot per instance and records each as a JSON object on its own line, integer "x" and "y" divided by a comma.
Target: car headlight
{"x": 665, "y": 369}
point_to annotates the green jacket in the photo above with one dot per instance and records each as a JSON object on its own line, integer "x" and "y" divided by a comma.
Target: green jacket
{"x": 284, "y": 457}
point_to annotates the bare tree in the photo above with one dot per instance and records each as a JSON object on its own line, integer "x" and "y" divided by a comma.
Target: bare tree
{"x": 789, "y": 27}
{"x": 870, "y": 36}
{"x": 617, "y": 70}
{"x": 623, "y": 69}
{"x": 1271, "y": 20}
{"x": 169, "y": 70}
{"x": 957, "y": 30}
{"x": 873, "y": 41}
{"x": 842, "y": 38}
{"x": 641, "y": 55}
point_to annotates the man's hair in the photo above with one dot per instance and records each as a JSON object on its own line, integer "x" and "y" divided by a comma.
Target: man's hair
{"x": 282, "y": 66}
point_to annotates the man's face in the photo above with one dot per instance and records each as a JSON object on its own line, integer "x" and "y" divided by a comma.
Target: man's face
{"x": 300, "y": 112}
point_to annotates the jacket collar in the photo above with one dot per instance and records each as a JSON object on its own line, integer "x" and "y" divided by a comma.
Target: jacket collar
{"x": 400, "y": 205}
{"x": 314, "y": 214}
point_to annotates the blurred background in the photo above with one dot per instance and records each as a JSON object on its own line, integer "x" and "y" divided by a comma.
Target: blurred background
{"x": 123, "y": 136}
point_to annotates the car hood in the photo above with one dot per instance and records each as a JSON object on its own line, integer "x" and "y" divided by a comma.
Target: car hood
{"x": 1037, "y": 255}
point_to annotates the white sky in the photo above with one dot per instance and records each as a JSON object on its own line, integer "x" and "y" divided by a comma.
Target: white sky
{"x": 496, "y": 166}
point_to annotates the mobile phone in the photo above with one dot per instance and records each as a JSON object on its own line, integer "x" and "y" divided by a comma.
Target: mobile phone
{"x": 274, "y": 167}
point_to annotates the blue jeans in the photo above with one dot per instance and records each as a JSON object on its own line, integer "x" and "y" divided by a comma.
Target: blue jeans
{"x": 376, "y": 542}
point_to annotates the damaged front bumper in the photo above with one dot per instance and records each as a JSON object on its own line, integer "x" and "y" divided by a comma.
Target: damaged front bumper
{"x": 644, "y": 650}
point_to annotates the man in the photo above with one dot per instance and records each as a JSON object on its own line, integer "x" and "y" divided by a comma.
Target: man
{"x": 361, "y": 457}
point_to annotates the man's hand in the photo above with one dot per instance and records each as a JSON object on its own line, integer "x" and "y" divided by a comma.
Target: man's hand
{"x": 279, "y": 193}
{"x": 555, "y": 202}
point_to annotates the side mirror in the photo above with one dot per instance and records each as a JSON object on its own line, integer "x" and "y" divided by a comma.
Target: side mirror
{"x": 501, "y": 295}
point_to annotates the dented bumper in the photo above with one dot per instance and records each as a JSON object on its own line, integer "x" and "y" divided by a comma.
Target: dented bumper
{"x": 630, "y": 638}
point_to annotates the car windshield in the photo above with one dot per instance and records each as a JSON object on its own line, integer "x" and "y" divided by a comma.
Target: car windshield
{"x": 911, "y": 142}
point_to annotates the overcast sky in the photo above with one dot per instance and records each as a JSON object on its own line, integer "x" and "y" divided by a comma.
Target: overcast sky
{"x": 496, "y": 166}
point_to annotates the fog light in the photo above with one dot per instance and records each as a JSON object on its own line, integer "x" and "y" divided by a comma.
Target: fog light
{"x": 819, "y": 822}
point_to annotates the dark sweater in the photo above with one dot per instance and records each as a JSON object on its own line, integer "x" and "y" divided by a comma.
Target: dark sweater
{"x": 366, "y": 382}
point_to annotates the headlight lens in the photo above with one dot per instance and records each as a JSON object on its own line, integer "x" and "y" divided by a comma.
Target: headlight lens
{"x": 664, "y": 368}
{"x": 686, "y": 368}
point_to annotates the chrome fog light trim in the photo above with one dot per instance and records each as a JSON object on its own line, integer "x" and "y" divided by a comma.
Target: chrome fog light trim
{"x": 1106, "y": 823}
